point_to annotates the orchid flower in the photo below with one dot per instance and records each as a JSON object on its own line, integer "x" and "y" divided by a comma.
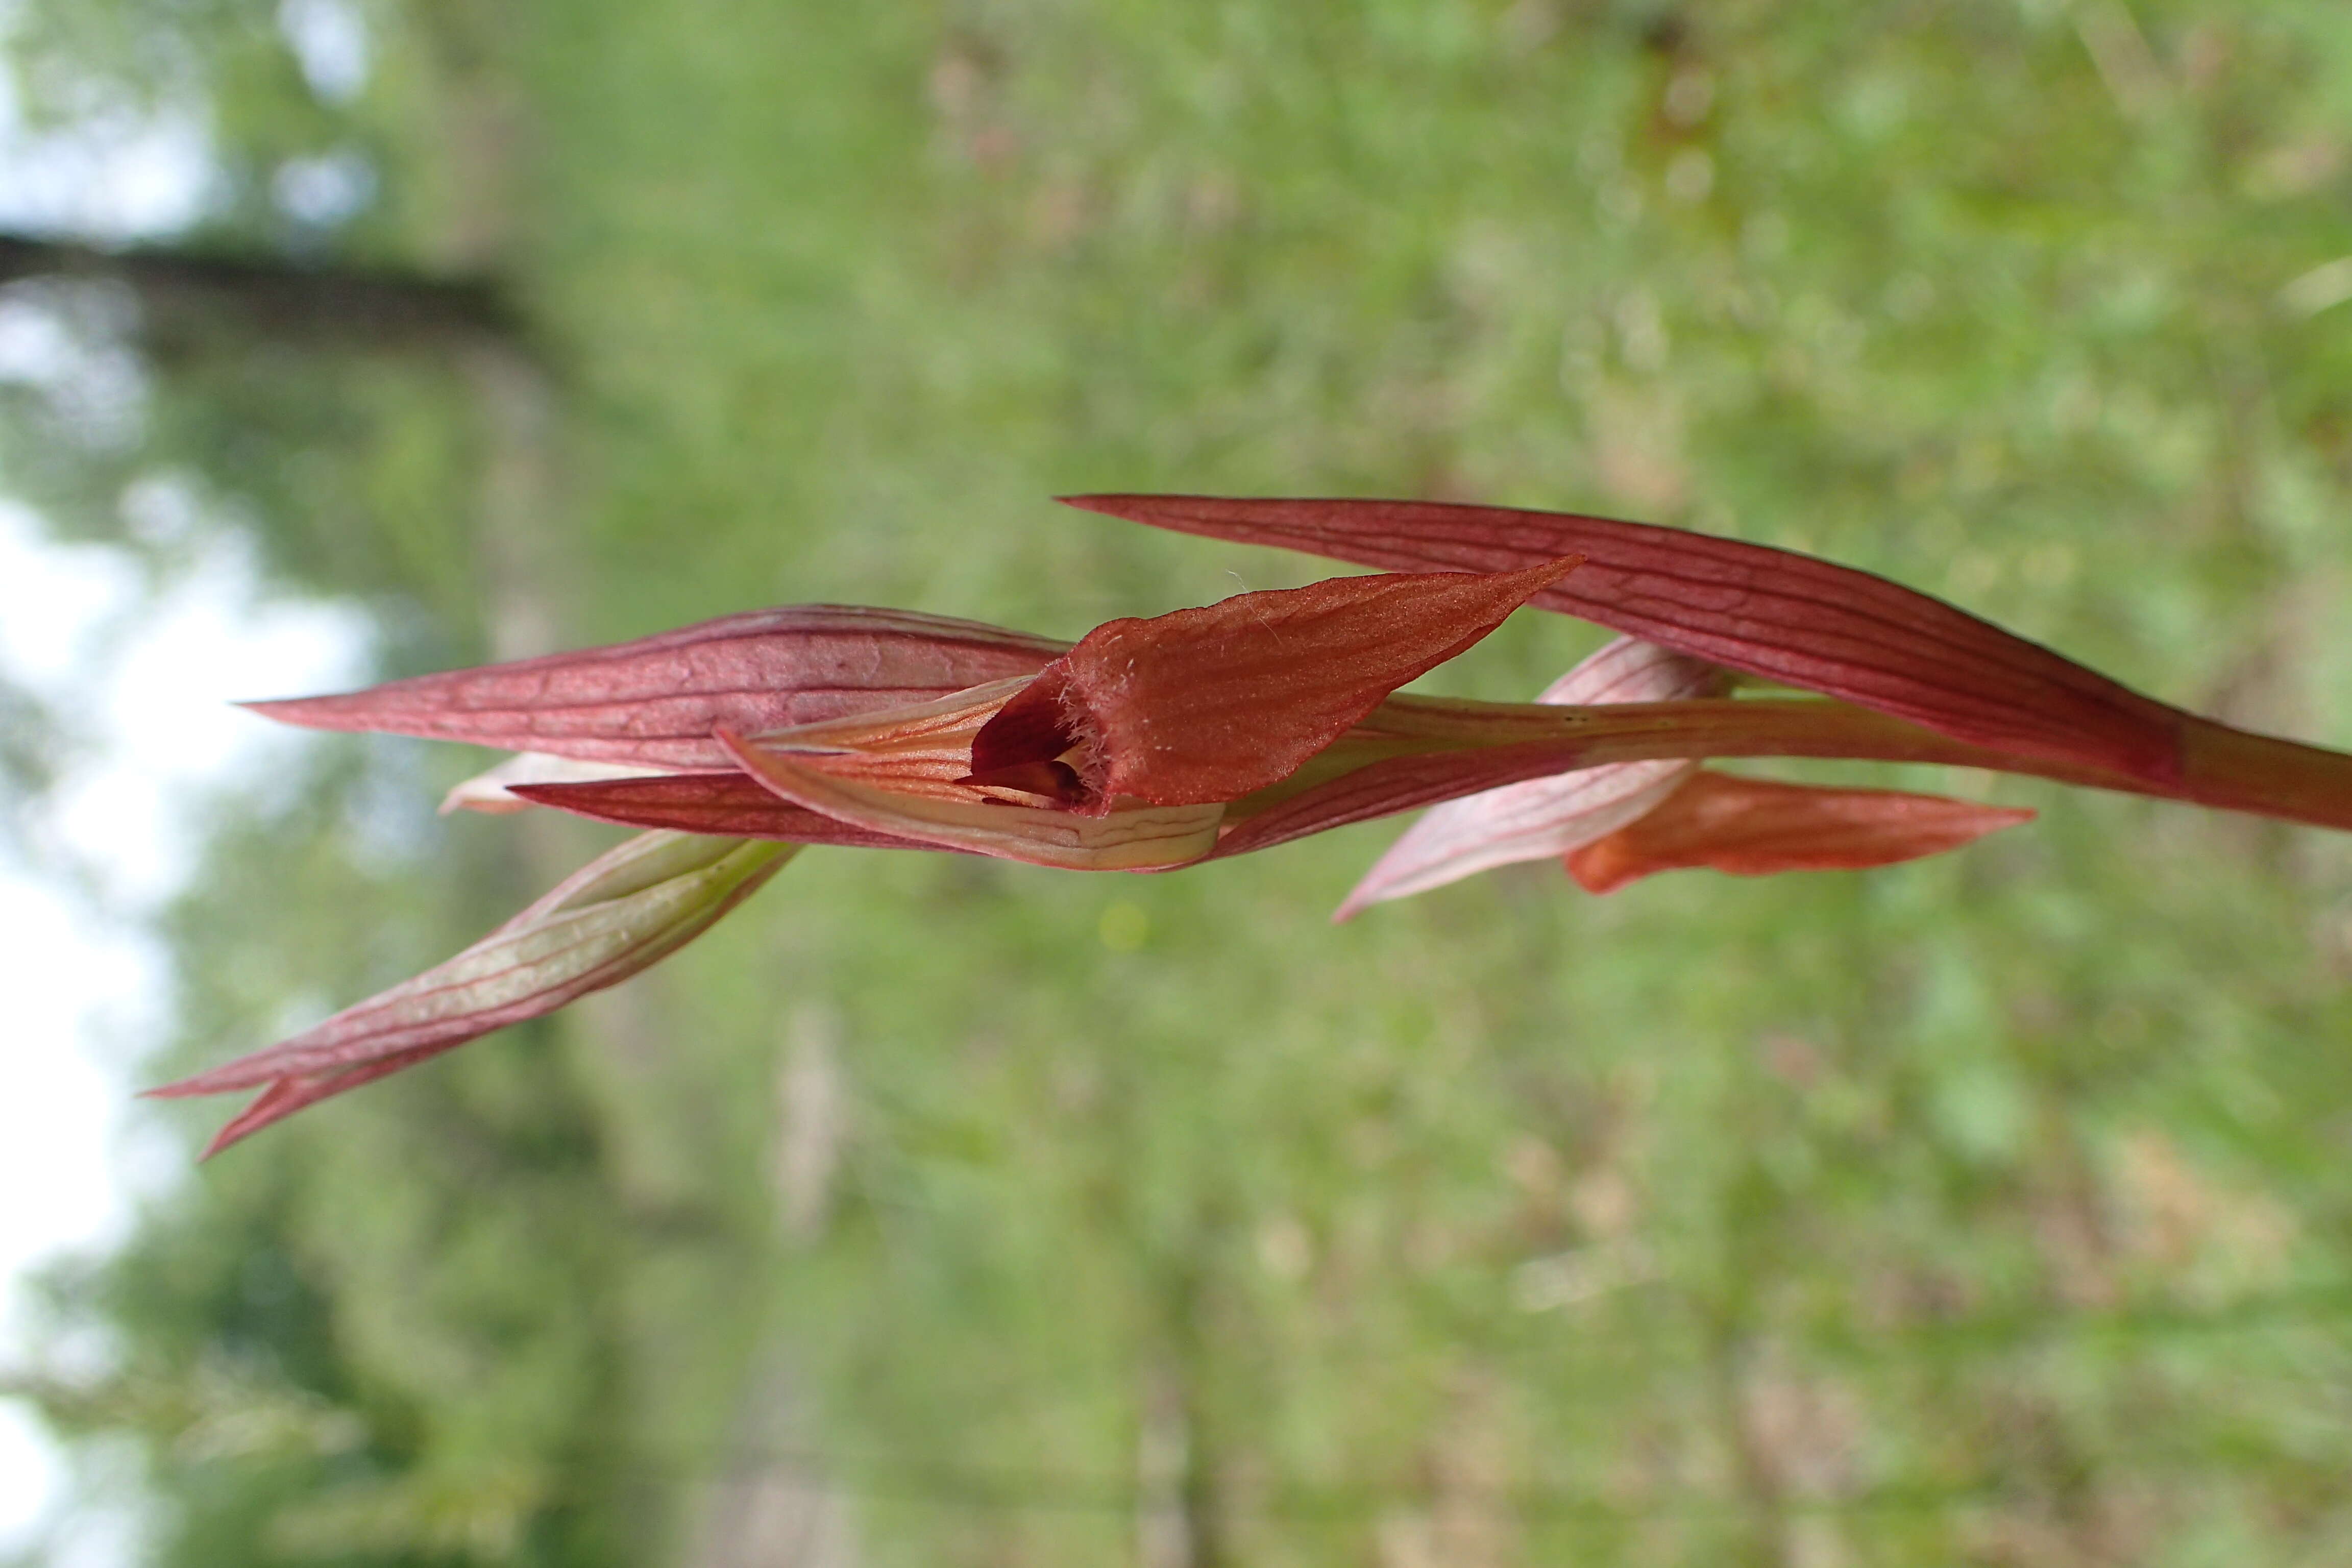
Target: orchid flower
{"x": 1813, "y": 624}
{"x": 624, "y": 911}
{"x": 1152, "y": 744}
{"x": 1618, "y": 815}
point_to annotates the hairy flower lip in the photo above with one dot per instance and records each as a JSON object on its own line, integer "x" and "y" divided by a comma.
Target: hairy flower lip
{"x": 1745, "y": 827}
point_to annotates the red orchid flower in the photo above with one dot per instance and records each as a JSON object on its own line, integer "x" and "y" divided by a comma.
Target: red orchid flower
{"x": 1120, "y": 752}
{"x": 1617, "y": 814}
{"x": 1546, "y": 817}
{"x": 1153, "y": 744}
{"x": 1813, "y": 624}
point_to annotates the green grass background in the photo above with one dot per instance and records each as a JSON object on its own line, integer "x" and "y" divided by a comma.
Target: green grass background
{"x": 1988, "y": 1210}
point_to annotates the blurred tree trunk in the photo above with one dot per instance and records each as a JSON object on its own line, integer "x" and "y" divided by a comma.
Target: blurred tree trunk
{"x": 189, "y": 299}
{"x": 191, "y": 304}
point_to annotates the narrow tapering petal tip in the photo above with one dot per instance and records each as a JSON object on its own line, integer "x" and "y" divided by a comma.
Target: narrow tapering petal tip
{"x": 626, "y": 909}
{"x": 287, "y": 709}
{"x": 227, "y": 1138}
{"x": 279, "y": 1099}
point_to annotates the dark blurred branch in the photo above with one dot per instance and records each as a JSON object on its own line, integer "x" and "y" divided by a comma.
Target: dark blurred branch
{"x": 188, "y": 296}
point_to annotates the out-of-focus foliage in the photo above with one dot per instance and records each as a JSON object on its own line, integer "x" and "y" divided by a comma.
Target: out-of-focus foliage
{"x": 1985, "y": 1210}
{"x": 340, "y": 129}
{"x": 32, "y": 740}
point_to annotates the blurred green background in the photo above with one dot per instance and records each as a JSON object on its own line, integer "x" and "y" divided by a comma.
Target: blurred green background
{"x": 1989, "y": 1210}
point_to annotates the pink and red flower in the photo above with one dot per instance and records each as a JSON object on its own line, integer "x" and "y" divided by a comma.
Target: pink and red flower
{"x": 1157, "y": 743}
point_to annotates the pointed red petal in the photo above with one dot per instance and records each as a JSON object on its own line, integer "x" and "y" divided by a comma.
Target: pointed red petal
{"x": 1769, "y": 612}
{"x": 1755, "y": 828}
{"x": 726, "y": 806}
{"x": 1209, "y": 704}
{"x": 654, "y": 703}
{"x": 622, "y": 912}
{"x": 281, "y": 1098}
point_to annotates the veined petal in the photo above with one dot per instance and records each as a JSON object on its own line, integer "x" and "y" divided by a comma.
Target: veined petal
{"x": 1541, "y": 818}
{"x": 1773, "y": 613}
{"x": 1208, "y": 704}
{"x": 654, "y": 703}
{"x": 729, "y": 805}
{"x": 1140, "y": 837}
{"x": 1756, "y": 828}
{"x": 624, "y": 911}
